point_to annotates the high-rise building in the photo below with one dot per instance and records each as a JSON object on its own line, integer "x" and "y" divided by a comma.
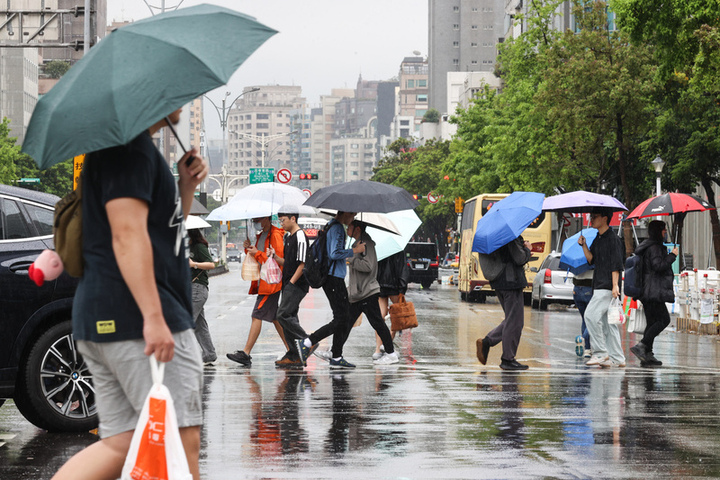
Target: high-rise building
{"x": 322, "y": 130}
{"x": 18, "y": 88}
{"x": 463, "y": 37}
{"x": 353, "y": 157}
{"x": 259, "y": 128}
{"x": 411, "y": 98}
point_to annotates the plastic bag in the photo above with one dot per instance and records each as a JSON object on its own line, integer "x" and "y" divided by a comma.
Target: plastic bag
{"x": 270, "y": 271}
{"x": 250, "y": 269}
{"x": 636, "y": 319}
{"x": 615, "y": 315}
{"x": 156, "y": 450}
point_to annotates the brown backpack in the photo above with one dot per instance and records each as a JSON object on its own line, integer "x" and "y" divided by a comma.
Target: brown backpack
{"x": 67, "y": 230}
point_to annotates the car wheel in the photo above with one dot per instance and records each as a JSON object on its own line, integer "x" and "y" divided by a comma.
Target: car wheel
{"x": 426, "y": 284}
{"x": 542, "y": 305}
{"x": 527, "y": 298}
{"x": 55, "y": 389}
{"x": 533, "y": 303}
{"x": 464, "y": 296}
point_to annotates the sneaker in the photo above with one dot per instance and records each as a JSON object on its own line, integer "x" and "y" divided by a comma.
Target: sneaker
{"x": 303, "y": 351}
{"x": 588, "y": 353}
{"x": 606, "y": 363}
{"x": 342, "y": 363}
{"x": 379, "y": 354}
{"x": 512, "y": 365}
{"x": 209, "y": 364}
{"x": 287, "y": 362}
{"x": 596, "y": 360}
{"x": 240, "y": 357}
{"x": 387, "y": 359}
{"x": 324, "y": 355}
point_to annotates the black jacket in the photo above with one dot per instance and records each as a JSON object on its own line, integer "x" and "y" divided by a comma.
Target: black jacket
{"x": 514, "y": 255}
{"x": 393, "y": 275}
{"x": 657, "y": 272}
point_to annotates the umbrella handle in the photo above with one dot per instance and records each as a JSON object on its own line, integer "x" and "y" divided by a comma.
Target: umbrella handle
{"x": 172, "y": 129}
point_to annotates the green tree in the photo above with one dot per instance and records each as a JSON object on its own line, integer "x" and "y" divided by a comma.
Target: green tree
{"x": 9, "y": 153}
{"x": 431, "y": 116}
{"x": 56, "y": 68}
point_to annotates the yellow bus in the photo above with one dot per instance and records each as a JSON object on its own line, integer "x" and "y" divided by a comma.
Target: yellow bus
{"x": 471, "y": 282}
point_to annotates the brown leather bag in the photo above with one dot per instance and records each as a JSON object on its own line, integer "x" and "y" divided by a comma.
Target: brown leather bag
{"x": 402, "y": 315}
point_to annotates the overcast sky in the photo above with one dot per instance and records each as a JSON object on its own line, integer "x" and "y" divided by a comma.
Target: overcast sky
{"x": 321, "y": 44}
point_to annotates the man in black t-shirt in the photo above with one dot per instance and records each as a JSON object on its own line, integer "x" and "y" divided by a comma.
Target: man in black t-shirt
{"x": 295, "y": 286}
{"x": 134, "y": 299}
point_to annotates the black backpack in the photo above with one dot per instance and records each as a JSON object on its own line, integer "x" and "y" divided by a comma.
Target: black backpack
{"x": 317, "y": 264}
{"x": 633, "y": 286}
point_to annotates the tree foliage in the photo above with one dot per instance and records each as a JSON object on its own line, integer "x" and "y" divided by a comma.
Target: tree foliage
{"x": 9, "y": 153}
{"x": 56, "y": 68}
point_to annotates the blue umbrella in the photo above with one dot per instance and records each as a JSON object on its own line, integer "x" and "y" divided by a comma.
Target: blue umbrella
{"x": 573, "y": 256}
{"x": 506, "y": 220}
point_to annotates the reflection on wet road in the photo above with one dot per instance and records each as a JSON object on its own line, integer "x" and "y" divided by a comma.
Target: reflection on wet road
{"x": 439, "y": 413}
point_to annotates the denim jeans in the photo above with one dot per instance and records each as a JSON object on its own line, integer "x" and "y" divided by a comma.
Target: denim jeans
{"x": 202, "y": 331}
{"x": 581, "y": 297}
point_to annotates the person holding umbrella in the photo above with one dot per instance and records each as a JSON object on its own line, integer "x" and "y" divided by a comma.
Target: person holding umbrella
{"x": 606, "y": 253}
{"x": 268, "y": 295}
{"x": 657, "y": 289}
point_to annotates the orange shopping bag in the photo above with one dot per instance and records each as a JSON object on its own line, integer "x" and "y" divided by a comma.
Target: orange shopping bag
{"x": 156, "y": 451}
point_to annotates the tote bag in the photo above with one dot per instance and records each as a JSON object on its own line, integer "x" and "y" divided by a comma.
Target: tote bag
{"x": 250, "y": 269}
{"x": 402, "y": 315}
{"x": 637, "y": 321}
{"x": 156, "y": 451}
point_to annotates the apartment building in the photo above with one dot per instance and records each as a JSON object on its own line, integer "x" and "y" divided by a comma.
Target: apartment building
{"x": 322, "y": 131}
{"x": 18, "y": 88}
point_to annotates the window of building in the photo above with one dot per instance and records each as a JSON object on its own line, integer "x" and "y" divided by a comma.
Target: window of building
{"x": 421, "y": 98}
{"x": 354, "y": 155}
{"x": 278, "y": 124}
{"x": 456, "y": 27}
{"x": 279, "y": 115}
{"x": 474, "y": 9}
{"x": 369, "y": 145}
{"x": 456, "y": 9}
{"x": 354, "y": 146}
{"x": 263, "y": 116}
{"x": 262, "y": 125}
{"x": 456, "y": 61}
{"x": 473, "y": 62}
{"x": 248, "y": 126}
{"x": 248, "y": 117}
{"x": 473, "y": 44}
{"x": 404, "y": 123}
{"x": 456, "y": 44}
{"x": 473, "y": 27}
{"x": 411, "y": 84}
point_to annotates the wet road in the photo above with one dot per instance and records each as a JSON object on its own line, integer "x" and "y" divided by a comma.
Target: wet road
{"x": 439, "y": 413}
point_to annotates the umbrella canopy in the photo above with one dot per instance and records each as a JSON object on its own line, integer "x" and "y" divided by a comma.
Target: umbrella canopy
{"x": 198, "y": 208}
{"x": 362, "y": 196}
{"x": 137, "y": 75}
{"x": 260, "y": 200}
{"x": 581, "y": 202}
{"x": 379, "y": 221}
{"x": 386, "y": 243}
{"x": 669, "y": 204}
{"x": 506, "y": 220}
{"x": 573, "y": 255}
{"x": 193, "y": 221}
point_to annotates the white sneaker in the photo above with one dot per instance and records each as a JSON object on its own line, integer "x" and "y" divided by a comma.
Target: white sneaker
{"x": 597, "y": 360}
{"x": 323, "y": 355}
{"x": 379, "y": 354}
{"x": 588, "y": 353}
{"x": 607, "y": 363}
{"x": 387, "y": 359}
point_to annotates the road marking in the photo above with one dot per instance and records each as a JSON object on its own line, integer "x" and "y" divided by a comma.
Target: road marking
{"x": 234, "y": 307}
{"x": 5, "y": 437}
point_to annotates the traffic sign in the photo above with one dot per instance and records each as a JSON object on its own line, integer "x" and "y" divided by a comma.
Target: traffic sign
{"x": 262, "y": 175}
{"x": 284, "y": 175}
{"x": 307, "y": 192}
{"x": 432, "y": 197}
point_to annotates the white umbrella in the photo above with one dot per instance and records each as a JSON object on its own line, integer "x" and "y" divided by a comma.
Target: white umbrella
{"x": 259, "y": 200}
{"x": 193, "y": 221}
{"x": 386, "y": 243}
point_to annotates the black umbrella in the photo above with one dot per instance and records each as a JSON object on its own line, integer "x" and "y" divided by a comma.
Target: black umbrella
{"x": 362, "y": 196}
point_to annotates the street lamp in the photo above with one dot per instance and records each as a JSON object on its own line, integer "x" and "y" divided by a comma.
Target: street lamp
{"x": 224, "y": 113}
{"x": 264, "y": 141}
{"x": 658, "y": 165}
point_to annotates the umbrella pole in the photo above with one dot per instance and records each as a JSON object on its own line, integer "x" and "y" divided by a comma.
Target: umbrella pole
{"x": 172, "y": 129}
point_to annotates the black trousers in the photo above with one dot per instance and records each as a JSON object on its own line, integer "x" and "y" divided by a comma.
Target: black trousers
{"x": 371, "y": 308}
{"x": 287, "y": 316}
{"x": 658, "y": 318}
{"x": 336, "y": 293}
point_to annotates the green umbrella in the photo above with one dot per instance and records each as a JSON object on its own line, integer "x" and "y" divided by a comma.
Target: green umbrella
{"x": 136, "y": 76}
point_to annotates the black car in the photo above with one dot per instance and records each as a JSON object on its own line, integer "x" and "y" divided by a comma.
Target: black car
{"x": 423, "y": 261}
{"x": 40, "y": 367}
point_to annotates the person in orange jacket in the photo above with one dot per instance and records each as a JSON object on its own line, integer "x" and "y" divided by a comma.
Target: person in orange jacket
{"x": 268, "y": 294}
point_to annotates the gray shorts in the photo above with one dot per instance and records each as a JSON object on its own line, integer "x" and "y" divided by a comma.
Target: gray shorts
{"x": 122, "y": 381}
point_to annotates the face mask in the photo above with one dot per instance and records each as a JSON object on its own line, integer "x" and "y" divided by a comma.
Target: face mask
{"x": 258, "y": 226}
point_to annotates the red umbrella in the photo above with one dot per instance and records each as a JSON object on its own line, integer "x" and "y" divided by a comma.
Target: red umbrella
{"x": 669, "y": 204}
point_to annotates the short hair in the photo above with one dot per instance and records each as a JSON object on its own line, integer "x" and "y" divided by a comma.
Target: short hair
{"x": 604, "y": 212}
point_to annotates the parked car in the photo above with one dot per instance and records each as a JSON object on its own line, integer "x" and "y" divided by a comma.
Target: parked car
{"x": 423, "y": 260}
{"x": 552, "y": 284}
{"x": 40, "y": 367}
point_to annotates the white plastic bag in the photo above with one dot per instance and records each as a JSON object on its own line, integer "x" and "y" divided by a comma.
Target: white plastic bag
{"x": 270, "y": 271}
{"x": 637, "y": 321}
{"x": 250, "y": 269}
{"x": 615, "y": 315}
{"x": 156, "y": 451}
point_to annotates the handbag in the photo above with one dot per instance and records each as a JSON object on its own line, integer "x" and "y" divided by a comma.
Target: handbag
{"x": 156, "y": 450}
{"x": 250, "y": 269}
{"x": 637, "y": 321}
{"x": 67, "y": 230}
{"x": 615, "y": 314}
{"x": 270, "y": 271}
{"x": 402, "y": 315}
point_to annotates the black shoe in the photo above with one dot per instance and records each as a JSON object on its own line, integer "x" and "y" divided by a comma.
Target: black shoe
{"x": 651, "y": 360}
{"x": 240, "y": 357}
{"x": 640, "y": 351}
{"x": 483, "y": 348}
{"x": 512, "y": 365}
